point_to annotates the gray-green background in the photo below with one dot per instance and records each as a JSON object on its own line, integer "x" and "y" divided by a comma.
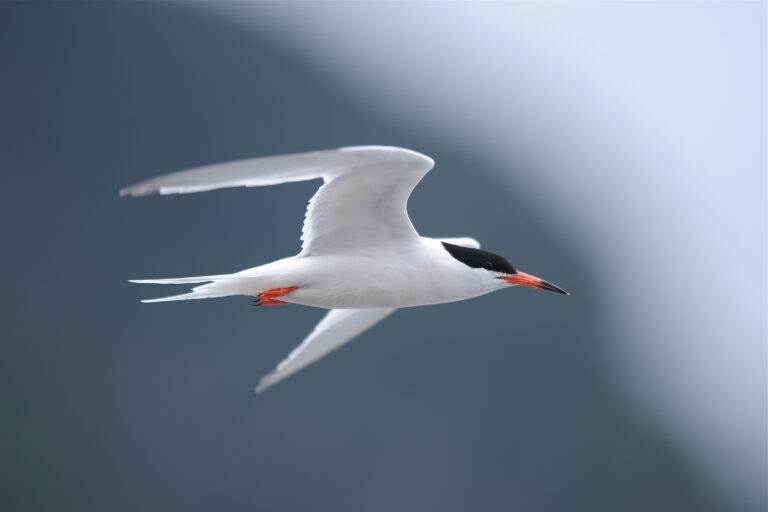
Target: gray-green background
{"x": 504, "y": 402}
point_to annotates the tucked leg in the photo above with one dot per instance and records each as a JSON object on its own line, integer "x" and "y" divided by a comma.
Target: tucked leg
{"x": 269, "y": 297}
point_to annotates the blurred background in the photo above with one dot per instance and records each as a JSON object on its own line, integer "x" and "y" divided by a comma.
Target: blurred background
{"x": 617, "y": 149}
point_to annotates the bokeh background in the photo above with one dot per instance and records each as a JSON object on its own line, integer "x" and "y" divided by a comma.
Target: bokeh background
{"x": 617, "y": 149}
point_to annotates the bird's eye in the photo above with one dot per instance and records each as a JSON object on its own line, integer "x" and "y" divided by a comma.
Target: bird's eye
{"x": 488, "y": 265}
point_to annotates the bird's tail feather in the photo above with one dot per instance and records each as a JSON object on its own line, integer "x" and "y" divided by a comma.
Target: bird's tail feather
{"x": 187, "y": 296}
{"x": 214, "y": 286}
{"x": 180, "y": 280}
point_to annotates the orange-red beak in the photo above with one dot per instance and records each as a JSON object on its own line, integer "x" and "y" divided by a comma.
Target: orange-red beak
{"x": 523, "y": 279}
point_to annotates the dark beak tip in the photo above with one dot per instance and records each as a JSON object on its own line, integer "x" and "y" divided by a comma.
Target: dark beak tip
{"x": 549, "y": 286}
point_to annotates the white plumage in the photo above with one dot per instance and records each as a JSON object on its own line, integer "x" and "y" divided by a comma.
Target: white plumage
{"x": 361, "y": 257}
{"x": 338, "y": 327}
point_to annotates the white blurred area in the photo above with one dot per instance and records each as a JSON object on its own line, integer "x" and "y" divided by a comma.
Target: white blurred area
{"x": 647, "y": 124}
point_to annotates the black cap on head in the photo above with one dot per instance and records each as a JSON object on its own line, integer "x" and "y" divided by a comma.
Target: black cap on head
{"x": 477, "y": 258}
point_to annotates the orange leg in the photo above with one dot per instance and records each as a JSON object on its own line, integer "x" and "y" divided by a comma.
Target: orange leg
{"x": 269, "y": 297}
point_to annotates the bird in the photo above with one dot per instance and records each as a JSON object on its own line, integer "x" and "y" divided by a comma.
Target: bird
{"x": 360, "y": 258}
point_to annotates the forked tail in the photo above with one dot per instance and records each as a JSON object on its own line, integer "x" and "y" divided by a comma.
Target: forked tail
{"x": 217, "y": 286}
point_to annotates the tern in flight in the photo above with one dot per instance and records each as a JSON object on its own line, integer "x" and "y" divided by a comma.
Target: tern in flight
{"x": 360, "y": 258}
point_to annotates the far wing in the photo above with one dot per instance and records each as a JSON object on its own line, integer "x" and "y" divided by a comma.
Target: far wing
{"x": 362, "y": 202}
{"x": 338, "y": 327}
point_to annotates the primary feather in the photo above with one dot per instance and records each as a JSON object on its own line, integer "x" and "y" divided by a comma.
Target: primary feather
{"x": 338, "y": 327}
{"x": 362, "y": 202}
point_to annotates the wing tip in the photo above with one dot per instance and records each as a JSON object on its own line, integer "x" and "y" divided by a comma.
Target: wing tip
{"x": 133, "y": 191}
{"x": 265, "y": 383}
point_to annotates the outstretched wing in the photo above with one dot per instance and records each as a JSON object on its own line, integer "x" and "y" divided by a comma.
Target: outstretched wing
{"x": 362, "y": 202}
{"x": 336, "y": 328}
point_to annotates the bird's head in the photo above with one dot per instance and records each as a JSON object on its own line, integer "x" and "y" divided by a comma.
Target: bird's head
{"x": 492, "y": 266}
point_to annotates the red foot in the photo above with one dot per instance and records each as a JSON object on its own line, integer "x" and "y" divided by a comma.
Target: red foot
{"x": 269, "y": 297}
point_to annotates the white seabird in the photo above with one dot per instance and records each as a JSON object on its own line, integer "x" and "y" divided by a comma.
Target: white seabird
{"x": 361, "y": 257}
